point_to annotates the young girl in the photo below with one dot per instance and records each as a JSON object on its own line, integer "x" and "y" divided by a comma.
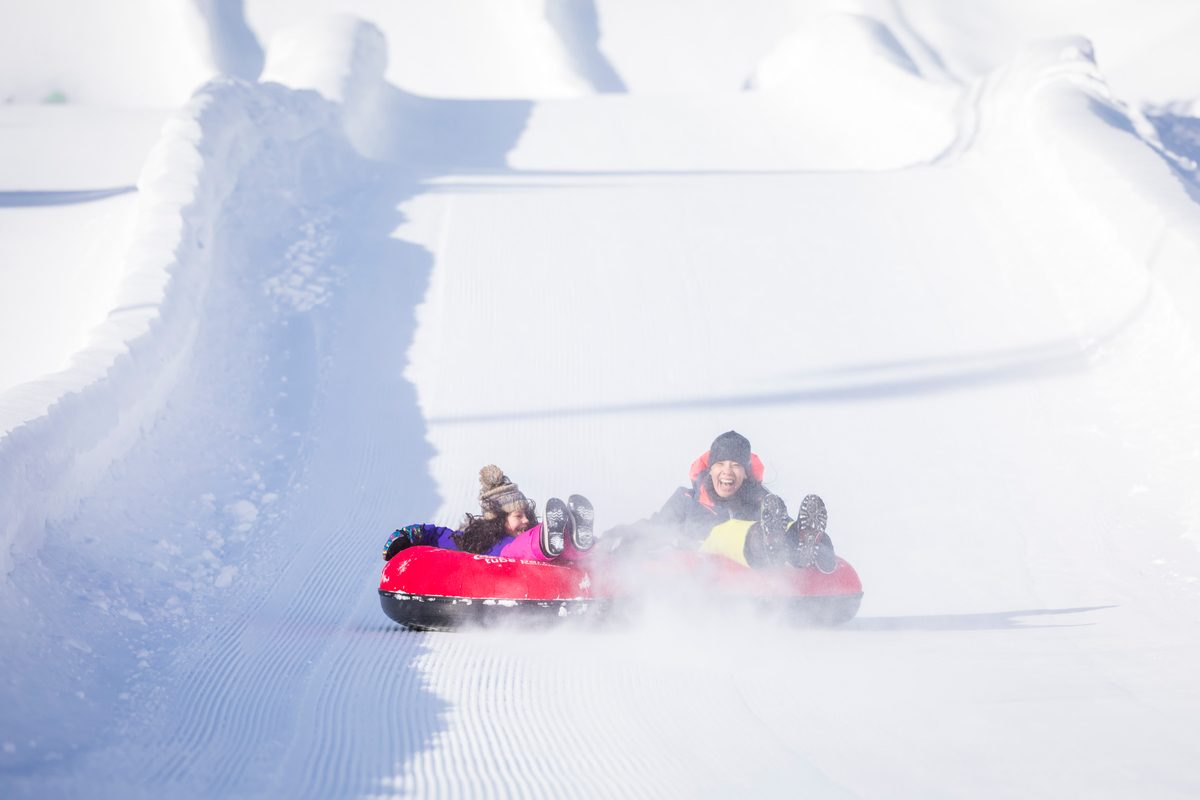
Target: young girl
{"x": 507, "y": 525}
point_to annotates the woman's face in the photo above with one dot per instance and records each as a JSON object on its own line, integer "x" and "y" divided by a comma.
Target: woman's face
{"x": 727, "y": 477}
{"x": 516, "y": 522}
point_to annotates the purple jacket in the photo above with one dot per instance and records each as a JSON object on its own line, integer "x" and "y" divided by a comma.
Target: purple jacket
{"x": 526, "y": 545}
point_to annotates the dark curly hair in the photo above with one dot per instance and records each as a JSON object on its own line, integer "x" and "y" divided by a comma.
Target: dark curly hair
{"x": 480, "y": 535}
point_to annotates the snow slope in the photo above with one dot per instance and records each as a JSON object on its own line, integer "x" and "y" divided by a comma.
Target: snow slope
{"x": 956, "y": 296}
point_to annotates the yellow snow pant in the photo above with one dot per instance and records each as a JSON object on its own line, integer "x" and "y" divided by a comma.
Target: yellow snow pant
{"x": 728, "y": 539}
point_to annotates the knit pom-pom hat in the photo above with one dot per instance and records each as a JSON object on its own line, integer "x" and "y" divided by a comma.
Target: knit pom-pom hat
{"x": 497, "y": 494}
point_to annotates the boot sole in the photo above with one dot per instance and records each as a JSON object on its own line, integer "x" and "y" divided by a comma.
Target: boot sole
{"x": 812, "y": 516}
{"x": 583, "y": 536}
{"x": 554, "y": 527}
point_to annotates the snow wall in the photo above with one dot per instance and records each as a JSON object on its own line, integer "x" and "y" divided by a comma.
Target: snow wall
{"x": 59, "y": 434}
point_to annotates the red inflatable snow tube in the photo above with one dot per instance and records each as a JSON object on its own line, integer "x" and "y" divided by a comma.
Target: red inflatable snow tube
{"x": 429, "y": 588}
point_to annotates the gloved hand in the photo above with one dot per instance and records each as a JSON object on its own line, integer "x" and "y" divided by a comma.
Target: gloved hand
{"x": 401, "y": 539}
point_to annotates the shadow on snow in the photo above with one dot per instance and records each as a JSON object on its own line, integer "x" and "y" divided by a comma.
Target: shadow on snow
{"x": 986, "y": 621}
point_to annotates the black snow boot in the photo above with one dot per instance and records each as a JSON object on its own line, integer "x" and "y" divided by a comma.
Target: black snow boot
{"x": 807, "y": 541}
{"x": 557, "y": 525}
{"x": 583, "y": 534}
{"x": 773, "y": 522}
{"x": 824, "y": 559}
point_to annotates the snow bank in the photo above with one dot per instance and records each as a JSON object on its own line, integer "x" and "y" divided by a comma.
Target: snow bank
{"x": 805, "y": 54}
{"x": 342, "y": 58}
{"x": 1148, "y": 57}
{"x": 1046, "y": 133}
{"x": 1050, "y": 113}
{"x": 301, "y": 55}
{"x": 59, "y": 434}
{"x": 664, "y": 47}
{"x": 848, "y": 75}
{"x": 841, "y": 93}
{"x": 467, "y": 49}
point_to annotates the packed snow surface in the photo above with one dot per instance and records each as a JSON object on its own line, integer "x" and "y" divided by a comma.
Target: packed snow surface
{"x": 278, "y": 277}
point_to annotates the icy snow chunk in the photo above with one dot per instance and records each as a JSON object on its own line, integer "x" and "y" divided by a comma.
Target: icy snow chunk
{"x": 244, "y": 513}
{"x": 225, "y": 577}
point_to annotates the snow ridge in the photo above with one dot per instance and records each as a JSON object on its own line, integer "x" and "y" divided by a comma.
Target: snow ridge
{"x": 60, "y": 433}
{"x": 1050, "y": 111}
{"x": 343, "y": 58}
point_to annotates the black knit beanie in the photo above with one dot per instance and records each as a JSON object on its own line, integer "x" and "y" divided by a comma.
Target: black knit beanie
{"x": 730, "y": 446}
